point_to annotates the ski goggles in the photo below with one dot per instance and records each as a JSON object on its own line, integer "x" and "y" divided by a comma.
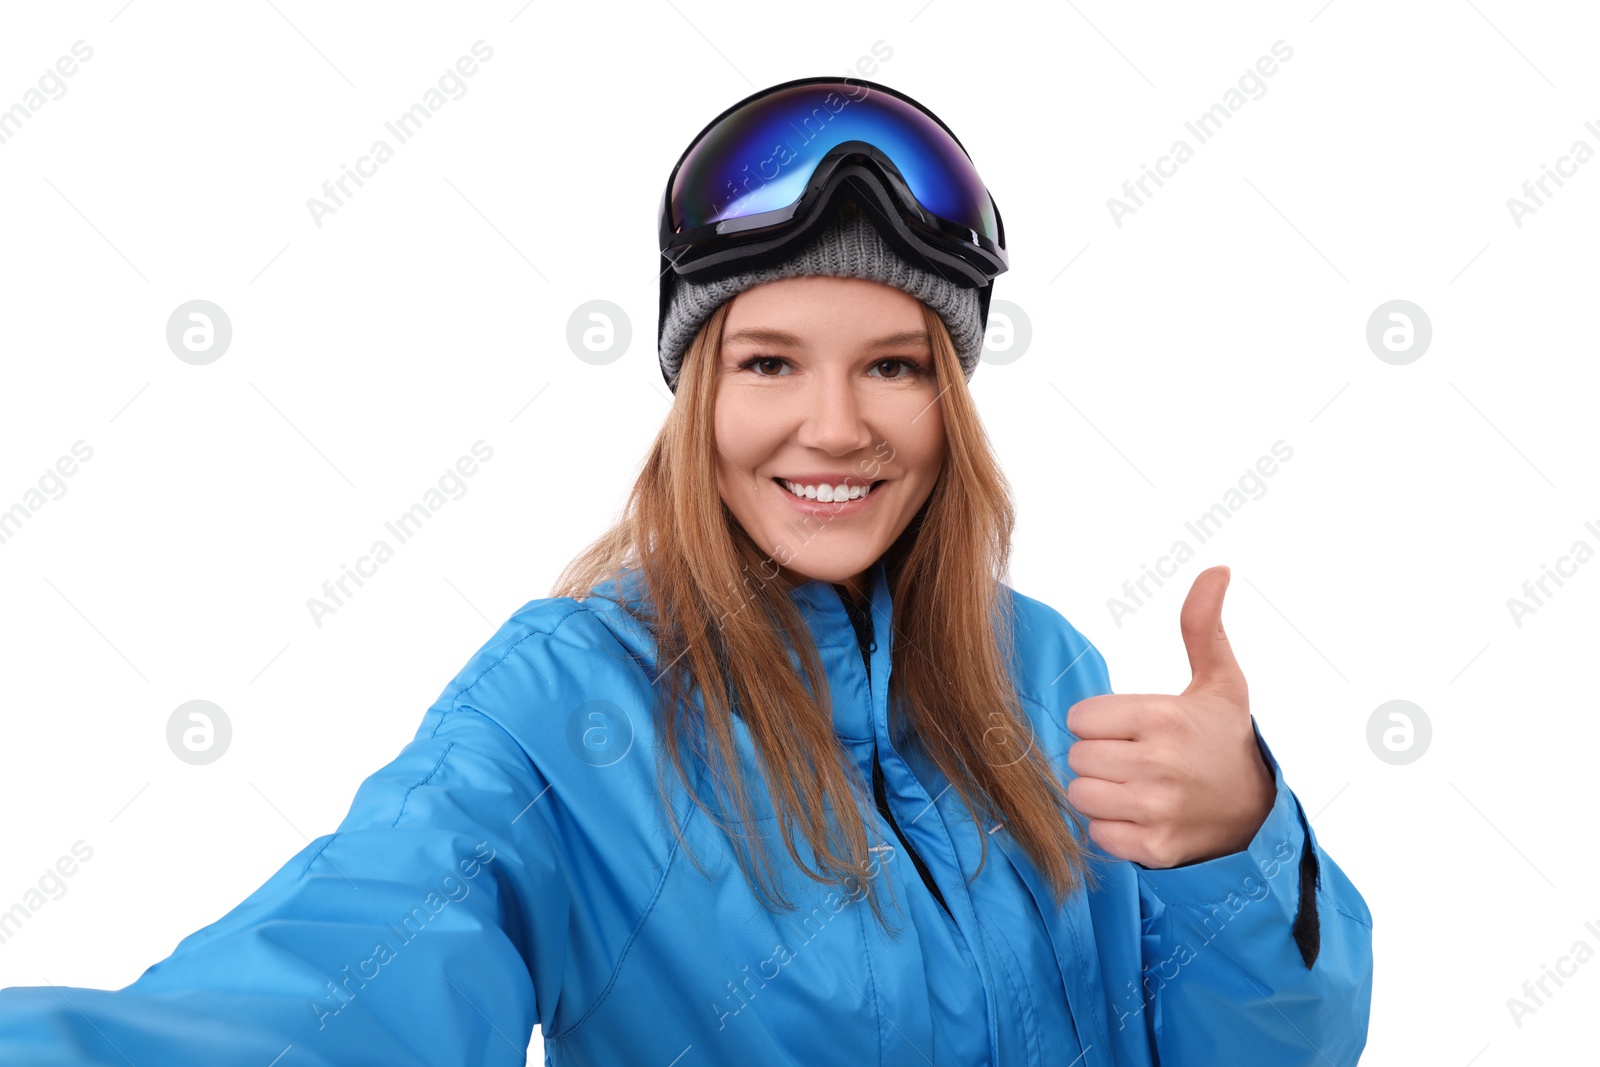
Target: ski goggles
{"x": 761, "y": 178}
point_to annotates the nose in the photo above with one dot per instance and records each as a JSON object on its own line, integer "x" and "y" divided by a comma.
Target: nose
{"x": 834, "y": 415}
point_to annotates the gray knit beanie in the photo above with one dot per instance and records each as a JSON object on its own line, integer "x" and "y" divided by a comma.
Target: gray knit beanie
{"x": 848, "y": 247}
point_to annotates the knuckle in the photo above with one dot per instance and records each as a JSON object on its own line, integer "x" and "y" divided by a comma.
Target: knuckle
{"x": 1171, "y": 804}
{"x": 1162, "y": 770}
{"x": 1155, "y": 717}
{"x": 1163, "y": 847}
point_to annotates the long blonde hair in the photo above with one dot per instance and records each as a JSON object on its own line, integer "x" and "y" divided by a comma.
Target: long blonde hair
{"x": 949, "y": 683}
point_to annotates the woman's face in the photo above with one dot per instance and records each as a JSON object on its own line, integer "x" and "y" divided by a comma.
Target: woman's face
{"x": 826, "y": 381}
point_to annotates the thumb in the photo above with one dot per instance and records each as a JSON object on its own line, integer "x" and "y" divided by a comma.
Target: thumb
{"x": 1211, "y": 658}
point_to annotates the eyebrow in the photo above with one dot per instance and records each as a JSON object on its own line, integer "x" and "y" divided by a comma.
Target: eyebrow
{"x": 761, "y": 336}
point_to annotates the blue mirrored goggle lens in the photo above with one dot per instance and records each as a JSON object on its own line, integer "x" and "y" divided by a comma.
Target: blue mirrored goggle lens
{"x": 760, "y": 157}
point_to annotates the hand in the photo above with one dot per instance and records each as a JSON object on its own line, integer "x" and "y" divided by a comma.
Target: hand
{"x": 1171, "y": 780}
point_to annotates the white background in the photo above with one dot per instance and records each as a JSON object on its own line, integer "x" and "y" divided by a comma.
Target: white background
{"x": 1167, "y": 355}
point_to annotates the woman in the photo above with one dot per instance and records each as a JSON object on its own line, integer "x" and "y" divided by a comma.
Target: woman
{"x": 867, "y": 839}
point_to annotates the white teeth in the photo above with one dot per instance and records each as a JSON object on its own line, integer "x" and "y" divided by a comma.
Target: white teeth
{"x": 828, "y": 493}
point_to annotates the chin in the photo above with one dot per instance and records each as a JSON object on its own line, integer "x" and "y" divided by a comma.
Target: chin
{"x": 835, "y": 568}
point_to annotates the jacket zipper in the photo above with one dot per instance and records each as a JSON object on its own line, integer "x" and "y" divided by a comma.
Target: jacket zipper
{"x": 862, "y": 624}
{"x": 882, "y": 800}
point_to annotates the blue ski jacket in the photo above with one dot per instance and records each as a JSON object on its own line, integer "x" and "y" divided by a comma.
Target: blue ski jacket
{"x": 511, "y": 868}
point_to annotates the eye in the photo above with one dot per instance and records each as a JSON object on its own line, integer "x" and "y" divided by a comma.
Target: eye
{"x": 750, "y": 364}
{"x": 910, "y": 368}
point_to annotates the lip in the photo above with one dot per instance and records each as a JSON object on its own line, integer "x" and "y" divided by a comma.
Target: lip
{"x": 831, "y": 509}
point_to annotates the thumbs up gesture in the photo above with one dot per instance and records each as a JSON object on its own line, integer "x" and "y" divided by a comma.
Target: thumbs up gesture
{"x": 1171, "y": 780}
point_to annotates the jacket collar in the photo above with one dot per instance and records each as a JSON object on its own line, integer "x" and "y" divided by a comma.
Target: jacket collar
{"x": 858, "y": 697}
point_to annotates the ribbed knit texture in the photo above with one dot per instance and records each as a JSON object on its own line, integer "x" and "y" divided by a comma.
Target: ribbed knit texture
{"x": 848, "y": 247}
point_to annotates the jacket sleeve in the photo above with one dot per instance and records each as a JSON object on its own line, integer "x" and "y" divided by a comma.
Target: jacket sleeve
{"x": 1262, "y": 956}
{"x": 427, "y": 930}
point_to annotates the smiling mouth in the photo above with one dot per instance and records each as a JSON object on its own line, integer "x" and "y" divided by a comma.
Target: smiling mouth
{"x": 872, "y": 488}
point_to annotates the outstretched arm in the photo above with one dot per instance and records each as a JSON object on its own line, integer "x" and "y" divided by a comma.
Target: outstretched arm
{"x": 427, "y": 930}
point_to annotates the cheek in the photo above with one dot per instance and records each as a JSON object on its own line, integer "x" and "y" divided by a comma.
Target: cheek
{"x": 743, "y": 439}
{"x": 921, "y": 448}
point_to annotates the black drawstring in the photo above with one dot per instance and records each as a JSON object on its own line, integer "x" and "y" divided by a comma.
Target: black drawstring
{"x": 1307, "y": 930}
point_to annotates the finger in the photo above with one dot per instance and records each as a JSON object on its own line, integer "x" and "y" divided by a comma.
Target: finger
{"x": 1211, "y": 660}
{"x": 1109, "y": 715}
{"x": 1124, "y": 840}
{"x": 1100, "y": 799}
{"x": 1109, "y": 760}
